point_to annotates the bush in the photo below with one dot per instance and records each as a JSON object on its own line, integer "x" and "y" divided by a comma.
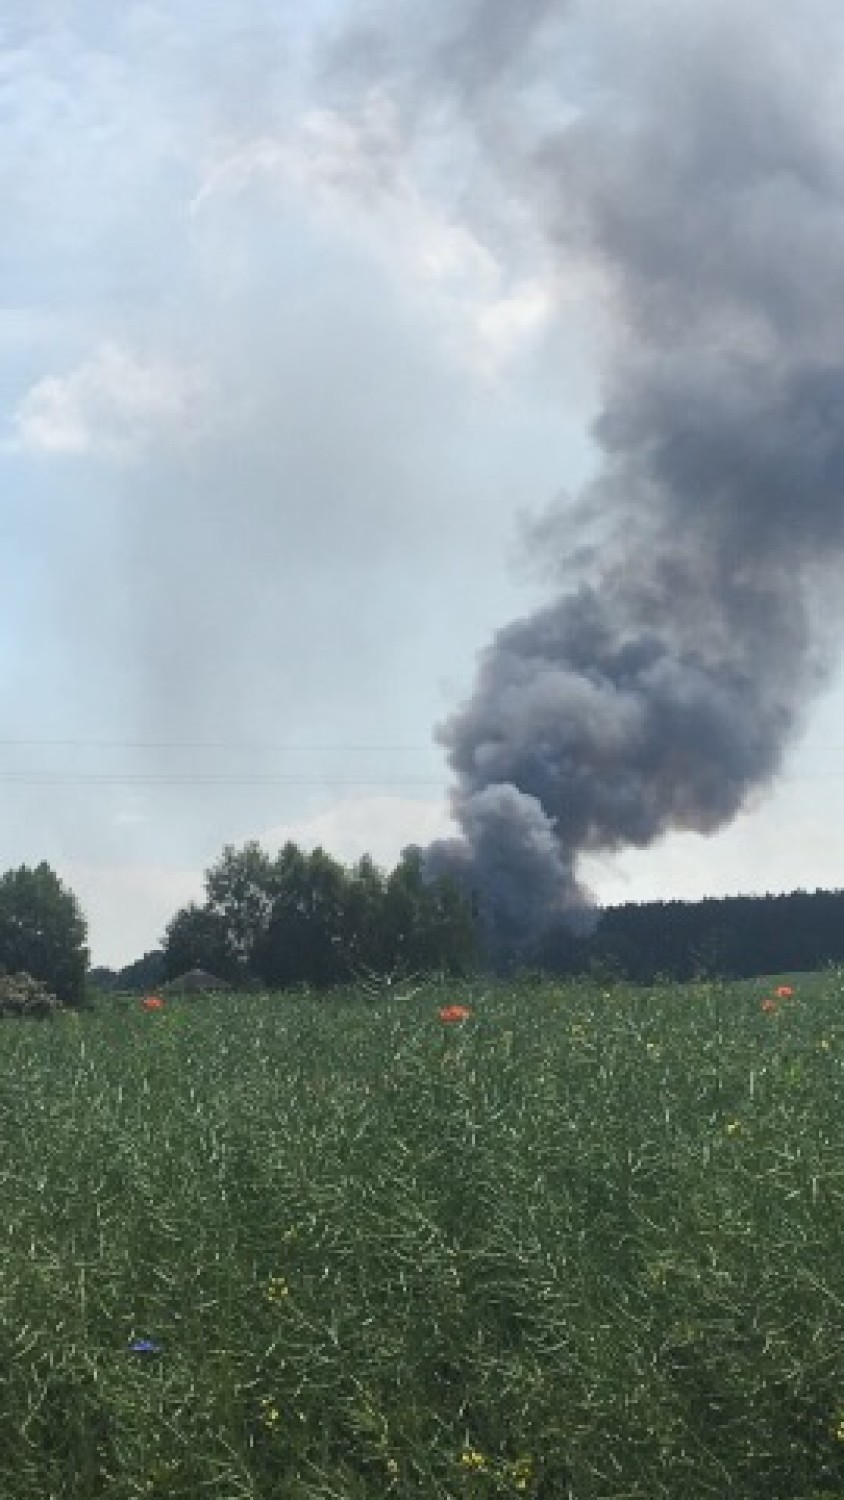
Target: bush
{"x": 42, "y": 932}
{"x": 21, "y": 995}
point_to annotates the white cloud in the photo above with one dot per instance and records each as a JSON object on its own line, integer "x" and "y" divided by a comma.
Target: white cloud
{"x": 337, "y": 160}
{"x": 354, "y": 176}
{"x": 379, "y": 825}
{"x": 507, "y": 322}
{"x": 112, "y": 405}
{"x": 782, "y": 844}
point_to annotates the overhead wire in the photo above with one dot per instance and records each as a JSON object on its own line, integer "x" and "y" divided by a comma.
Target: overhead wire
{"x": 61, "y": 778}
{"x": 66, "y": 776}
{"x": 69, "y": 777}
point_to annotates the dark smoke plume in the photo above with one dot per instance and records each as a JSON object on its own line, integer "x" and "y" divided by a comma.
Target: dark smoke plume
{"x": 697, "y": 163}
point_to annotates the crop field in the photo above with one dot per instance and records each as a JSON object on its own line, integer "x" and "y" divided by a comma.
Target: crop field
{"x": 583, "y": 1242}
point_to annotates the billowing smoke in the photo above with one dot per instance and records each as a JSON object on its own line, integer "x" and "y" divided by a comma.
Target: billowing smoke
{"x": 696, "y": 162}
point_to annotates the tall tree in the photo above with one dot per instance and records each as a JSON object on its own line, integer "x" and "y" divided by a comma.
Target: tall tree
{"x": 197, "y": 938}
{"x": 365, "y": 942}
{"x": 43, "y": 931}
{"x": 306, "y": 918}
{"x": 427, "y": 924}
{"x": 240, "y": 889}
{"x": 307, "y": 935}
{"x": 144, "y": 974}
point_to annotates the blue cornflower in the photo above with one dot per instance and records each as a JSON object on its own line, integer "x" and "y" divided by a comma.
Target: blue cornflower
{"x": 144, "y": 1346}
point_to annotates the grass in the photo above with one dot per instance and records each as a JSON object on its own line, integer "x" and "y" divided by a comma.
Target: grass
{"x": 584, "y": 1244}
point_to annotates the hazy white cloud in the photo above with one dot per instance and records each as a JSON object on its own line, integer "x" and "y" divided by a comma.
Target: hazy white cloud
{"x": 112, "y": 405}
{"x": 379, "y": 825}
{"x": 354, "y": 175}
{"x": 781, "y": 845}
{"x": 335, "y": 159}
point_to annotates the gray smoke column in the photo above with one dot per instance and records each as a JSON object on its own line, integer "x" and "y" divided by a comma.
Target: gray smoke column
{"x": 697, "y": 162}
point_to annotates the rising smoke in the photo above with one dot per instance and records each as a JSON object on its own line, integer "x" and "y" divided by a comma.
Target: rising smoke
{"x": 696, "y": 161}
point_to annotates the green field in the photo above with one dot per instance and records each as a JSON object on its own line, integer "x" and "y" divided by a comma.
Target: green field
{"x": 587, "y": 1243}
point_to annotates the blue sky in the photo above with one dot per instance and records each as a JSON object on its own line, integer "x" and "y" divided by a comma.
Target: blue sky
{"x": 281, "y": 381}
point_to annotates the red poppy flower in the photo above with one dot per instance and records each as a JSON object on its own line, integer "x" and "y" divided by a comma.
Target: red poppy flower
{"x": 784, "y": 991}
{"x": 769, "y": 1006}
{"x": 152, "y": 1002}
{"x": 451, "y": 1013}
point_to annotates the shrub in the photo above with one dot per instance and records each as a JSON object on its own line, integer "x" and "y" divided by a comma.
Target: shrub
{"x": 42, "y": 932}
{"x": 21, "y": 995}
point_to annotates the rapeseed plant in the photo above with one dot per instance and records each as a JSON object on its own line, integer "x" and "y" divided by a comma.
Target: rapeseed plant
{"x": 270, "y": 1414}
{"x": 520, "y": 1472}
{"x": 604, "y": 1282}
{"x": 473, "y": 1460}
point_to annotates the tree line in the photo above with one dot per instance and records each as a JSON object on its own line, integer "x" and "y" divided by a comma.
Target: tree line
{"x": 303, "y": 918}
{"x": 733, "y": 937}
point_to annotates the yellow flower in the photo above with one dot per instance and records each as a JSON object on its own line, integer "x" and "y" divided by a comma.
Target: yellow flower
{"x": 392, "y": 1468}
{"x": 270, "y": 1414}
{"x": 732, "y": 1126}
{"x": 521, "y": 1472}
{"x": 472, "y": 1459}
{"x": 278, "y": 1289}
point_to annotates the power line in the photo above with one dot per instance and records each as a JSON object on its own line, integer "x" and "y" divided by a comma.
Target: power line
{"x": 266, "y": 746}
{"x": 205, "y": 779}
{"x": 211, "y": 745}
{"x": 95, "y": 778}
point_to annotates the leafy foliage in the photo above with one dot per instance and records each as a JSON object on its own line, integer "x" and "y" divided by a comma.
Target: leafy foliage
{"x": 575, "y": 1244}
{"x": 21, "y": 995}
{"x": 196, "y": 938}
{"x": 306, "y": 919}
{"x": 43, "y": 931}
{"x": 143, "y": 974}
{"x": 734, "y": 937}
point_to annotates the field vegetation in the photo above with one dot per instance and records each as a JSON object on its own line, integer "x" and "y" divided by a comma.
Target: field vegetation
{"x": 584, "y": 1241}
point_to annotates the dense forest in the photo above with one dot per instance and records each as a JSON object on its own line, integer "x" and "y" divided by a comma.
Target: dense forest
{"x": 304, "y": 918}
{"x": 734, "y": 937}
